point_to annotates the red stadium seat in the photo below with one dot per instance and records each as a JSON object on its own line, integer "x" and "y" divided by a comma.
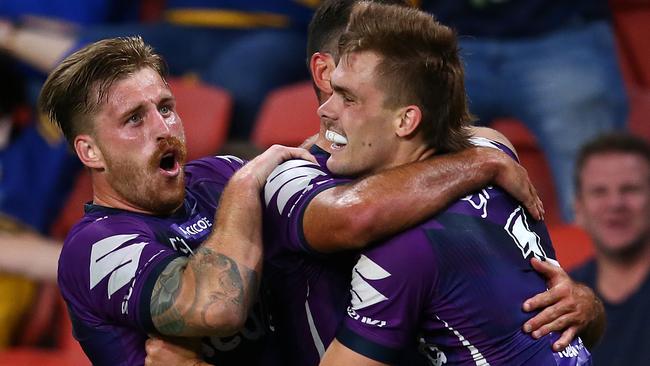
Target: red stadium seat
{"x": 66, "y": 351}
{"x": 287, "y": 117}
{"x": 639, "y": 119}
{"x": 205, "y": 111}
{"x": 572, "y": 245}
{"x": 533, "y": 160}
{"x": 632, "y": 24}
{"x": 72, "y": 210}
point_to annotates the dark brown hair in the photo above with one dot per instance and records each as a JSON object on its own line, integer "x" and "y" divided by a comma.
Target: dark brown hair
{"x": 79, "y": 84}
{"x": 420, "y": 65}
{"x": 615, "y": 142}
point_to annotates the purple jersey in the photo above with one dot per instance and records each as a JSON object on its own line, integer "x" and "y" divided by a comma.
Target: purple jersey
{"x": 112, "y": 258}
{"x": 309, "y": 290}
{"x": 457, "y": 283}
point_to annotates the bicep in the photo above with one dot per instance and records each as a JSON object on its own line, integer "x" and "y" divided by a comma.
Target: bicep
{"x": 165, "y": 295}
{"x": 338, "y": 354}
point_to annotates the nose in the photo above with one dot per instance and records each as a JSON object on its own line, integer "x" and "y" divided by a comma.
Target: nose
{"x": 162, "y": 127}
{"x": 328, "y": 109}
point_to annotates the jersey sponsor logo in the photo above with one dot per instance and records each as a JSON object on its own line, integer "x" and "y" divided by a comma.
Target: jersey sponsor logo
{"x": 573, "y": 350}
{"x": 289, "y": 178}
{"x": 364, "y": 319}
{"x": 526, "y": 239}
{"x": 363, "y": 294}
{"x": 479, "y": 200}
{"x": 121, "y": 264}
{"x": 196, "y": 228}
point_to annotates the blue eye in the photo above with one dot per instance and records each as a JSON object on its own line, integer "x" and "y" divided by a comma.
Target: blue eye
{"x": 136, "y": 118}
{"x": 164, "y": 110}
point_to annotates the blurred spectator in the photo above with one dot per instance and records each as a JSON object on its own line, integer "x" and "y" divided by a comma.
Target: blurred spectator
{"x": 245, "y": 47}
{"x": 549, "y": 63}
{"x": 613, "y": 206}
{"x": 35, "y": 31}
{"x": 36, "y": 172}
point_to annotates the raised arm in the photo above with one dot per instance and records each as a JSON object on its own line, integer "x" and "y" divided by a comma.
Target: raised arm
{"x": 210, "y": 293}
{"x": 352, "y": 215}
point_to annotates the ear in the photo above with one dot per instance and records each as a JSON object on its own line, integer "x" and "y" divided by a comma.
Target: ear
{"x": 321, "y": 66}
{"x": 408, "y": 120}
{"x": 88, "y": 152}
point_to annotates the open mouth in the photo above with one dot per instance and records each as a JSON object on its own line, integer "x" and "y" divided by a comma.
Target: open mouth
{"x": 338, "y": 141}
{"x": 169, "y": 164}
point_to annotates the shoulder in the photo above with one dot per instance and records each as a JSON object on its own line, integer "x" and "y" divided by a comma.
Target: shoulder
{"x": 295, "y": 177}
{"x": 220, "y": 167}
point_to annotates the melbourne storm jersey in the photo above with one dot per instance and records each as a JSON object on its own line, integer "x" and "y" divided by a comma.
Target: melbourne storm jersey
{"x": 457, "y": 284}
{"x": 309, "y": 290}
{"x": 112, "y": 258}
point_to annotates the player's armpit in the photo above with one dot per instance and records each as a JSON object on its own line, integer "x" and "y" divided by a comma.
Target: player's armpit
{"x": 353, "y": 215}
{"x": 338, "y": 354}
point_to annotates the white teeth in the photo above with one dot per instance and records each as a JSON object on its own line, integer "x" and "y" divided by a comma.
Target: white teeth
{"x": 336, "y": 138}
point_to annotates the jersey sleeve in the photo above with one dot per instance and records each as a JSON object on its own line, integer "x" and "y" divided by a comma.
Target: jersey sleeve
{"x": 107, "y": 271}
{"x": 287, "y": 193}
{"x": 391, "y": 285}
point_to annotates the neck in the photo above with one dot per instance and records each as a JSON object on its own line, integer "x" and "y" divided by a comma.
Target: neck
{"x": 410, "y": 151}
{"x": 105, "y": 195}
{"x": 618, "y": 279}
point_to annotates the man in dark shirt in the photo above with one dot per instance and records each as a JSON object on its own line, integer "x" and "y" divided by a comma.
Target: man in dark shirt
{"x": 613, "y": 206}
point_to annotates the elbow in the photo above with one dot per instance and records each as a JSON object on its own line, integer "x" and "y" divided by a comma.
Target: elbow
{"x": 223, "y": 322}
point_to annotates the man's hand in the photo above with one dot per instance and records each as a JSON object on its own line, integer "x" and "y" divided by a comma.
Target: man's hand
{"x": 514, "y": 178}
{"x": 262, "y": 166}
{"x": 179, "y": 352}
{"x": 568, "y": 307}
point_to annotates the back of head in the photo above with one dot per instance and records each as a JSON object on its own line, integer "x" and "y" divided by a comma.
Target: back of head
{"x": 329, "y": 22}
{"x": 80, "y": 83}
{"x": 420, "y": 65}
{"x": 617, "y": 142}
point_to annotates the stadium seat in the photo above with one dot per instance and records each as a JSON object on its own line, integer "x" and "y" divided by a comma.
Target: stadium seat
{"x": 205, "y": 111}
{"x": 632, "y": 25}
{"x": 66, "y": 350}
{"x": 639, "y": 118}
{"x": 572, "y": 245}
{"x": 533, "y": 160}
{"x": 288, "y": 116}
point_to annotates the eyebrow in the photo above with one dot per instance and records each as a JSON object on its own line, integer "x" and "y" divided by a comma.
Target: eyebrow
{"x": 163, "y": 100}
{"x": 340, "y": 89}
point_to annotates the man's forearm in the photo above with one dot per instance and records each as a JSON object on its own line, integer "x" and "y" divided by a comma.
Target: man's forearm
{"x": 39, "y": 48}
{"x": 374, "y": 207}
{"x": 210, "y": 293}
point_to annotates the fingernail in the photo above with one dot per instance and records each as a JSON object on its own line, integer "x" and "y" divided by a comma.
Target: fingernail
{"x": 527, "y": 328}
{"x": 536, "y": 334}
{"x": 526, "y": 306}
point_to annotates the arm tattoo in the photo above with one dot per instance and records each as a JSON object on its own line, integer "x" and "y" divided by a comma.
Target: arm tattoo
{"x": 235, "y": 290}
{"x": 164, "y": 314}
{"x": 219, "y": 282}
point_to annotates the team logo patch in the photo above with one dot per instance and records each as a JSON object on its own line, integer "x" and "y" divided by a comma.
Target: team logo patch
{"x": 120, "y": 264}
